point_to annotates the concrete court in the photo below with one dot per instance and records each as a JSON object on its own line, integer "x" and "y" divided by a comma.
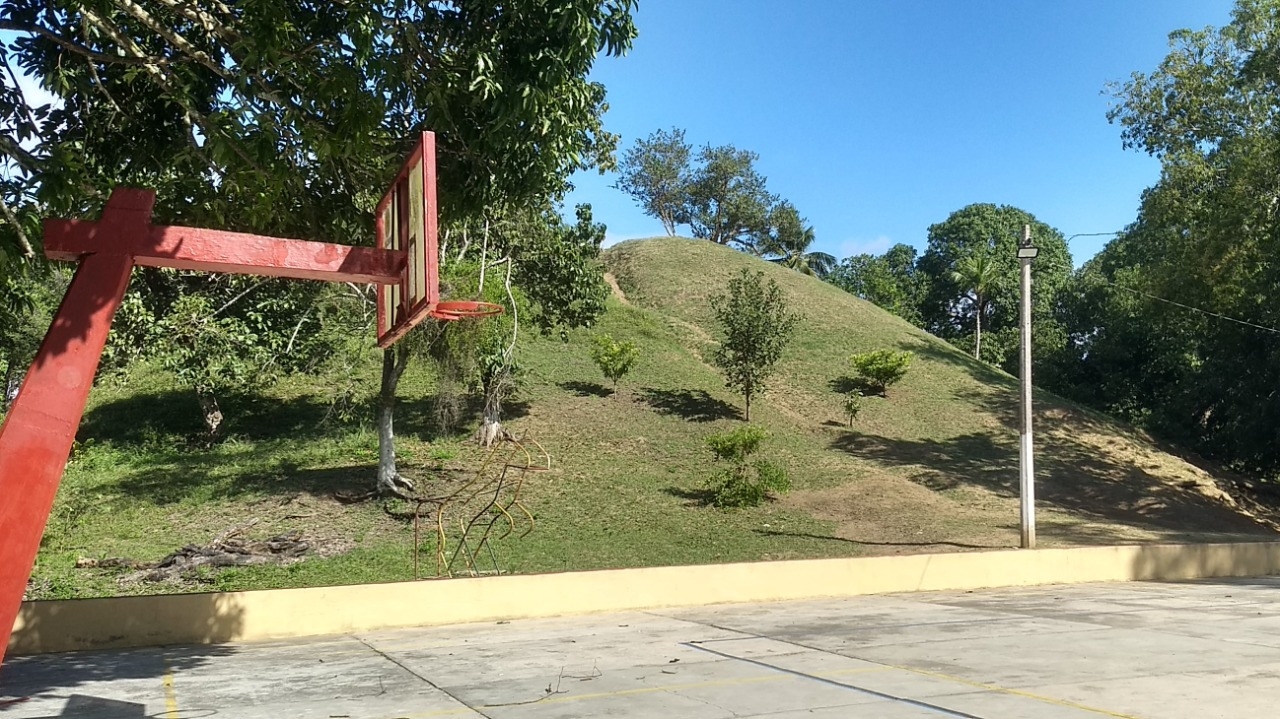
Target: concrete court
{"x": 1192, "y": 650}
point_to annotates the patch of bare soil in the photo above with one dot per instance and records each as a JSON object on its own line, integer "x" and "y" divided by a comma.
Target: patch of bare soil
{"x": 1094, "y": 485}
{"x": 230, "y": 548}
{"x": 887, "y": 514}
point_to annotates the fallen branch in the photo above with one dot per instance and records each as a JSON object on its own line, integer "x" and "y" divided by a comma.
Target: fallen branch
{"x": 227, "y": 549}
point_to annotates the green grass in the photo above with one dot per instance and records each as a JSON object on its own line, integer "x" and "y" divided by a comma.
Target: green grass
{"x": 930, "y": 467}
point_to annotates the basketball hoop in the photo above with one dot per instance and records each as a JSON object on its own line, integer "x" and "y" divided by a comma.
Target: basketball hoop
{"x": 464, "y": 309}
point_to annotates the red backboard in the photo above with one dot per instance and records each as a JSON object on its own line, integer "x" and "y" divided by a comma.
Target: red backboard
{"x": 406, "y": 220}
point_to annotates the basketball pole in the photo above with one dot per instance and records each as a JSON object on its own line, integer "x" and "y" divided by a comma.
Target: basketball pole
{"x": 39, "y": 430}
{"x": 1026, "y": 457}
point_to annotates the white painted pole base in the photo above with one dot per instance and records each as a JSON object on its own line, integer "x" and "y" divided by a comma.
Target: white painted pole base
{"x": 1028, "y": 492}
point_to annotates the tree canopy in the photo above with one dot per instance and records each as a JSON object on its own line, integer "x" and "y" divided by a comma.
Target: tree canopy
{"x": 787, "y": 239}
{"x": 966, "y": 282}
{"x": 728, "y": 200}
{"x": 288, "y": 117}
{"x": 1175, "y": 325}
{"x": 656, "y": 173}
{"x": 891, "y": 280}
{"x": 720, "y": 195}
{"x": 950, "y": 308}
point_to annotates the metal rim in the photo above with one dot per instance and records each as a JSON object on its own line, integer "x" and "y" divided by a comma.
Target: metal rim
{"x": 461, "y": 309}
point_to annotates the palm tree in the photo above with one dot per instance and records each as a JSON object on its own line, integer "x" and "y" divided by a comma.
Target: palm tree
{"x": 788, "y": 241}
{"x": 814, "y": 264}
{"x": 978, "y": 276}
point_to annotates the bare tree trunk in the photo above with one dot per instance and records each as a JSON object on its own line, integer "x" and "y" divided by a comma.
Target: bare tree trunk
{"x": 390, "y": 481}
{"x": 491, "y": 427}
{"x": 500, "y": 385}
{"x": 977, "y": 343}
{"x": 12, "y": 377}
{"x": 747, "y": 394}
{"x": 210, "y": 412}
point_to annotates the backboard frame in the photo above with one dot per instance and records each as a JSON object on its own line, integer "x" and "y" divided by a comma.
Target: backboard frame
{"x": 406, "y": 221}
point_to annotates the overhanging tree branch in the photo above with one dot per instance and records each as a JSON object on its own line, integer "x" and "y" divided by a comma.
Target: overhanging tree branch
{"x": 80, "y": 49}
{"x": 27, "y": 250}
{"x": 172, "y": 36}
{"x": 198, "y": 15}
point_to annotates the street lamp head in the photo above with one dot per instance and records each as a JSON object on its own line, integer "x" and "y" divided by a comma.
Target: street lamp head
{"x": 1028, "y": 253}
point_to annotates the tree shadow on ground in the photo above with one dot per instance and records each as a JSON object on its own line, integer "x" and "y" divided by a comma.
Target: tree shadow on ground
{"x": 141, "y": 418}
{"x": 174, "y": 416}
{"x": 203, "y": 474}
{"x": 585, "y": 389}
{"x": 1050, "y": 408}
{"x": 257, "y": 459}
{"x": 1070, "y": 475}
{"x": 146, "y": 418}
{"x": 218, "y": 620}
{"x": 806, "y": 535}
{"x": 845, "y": 385}
{"x": 940, "y": 351}
{"x": 691, "y": 497}
{"x": 690, "y": 405}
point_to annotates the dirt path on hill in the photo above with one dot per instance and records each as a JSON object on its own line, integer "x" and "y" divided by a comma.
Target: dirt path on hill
{"x": 617, "y": 291}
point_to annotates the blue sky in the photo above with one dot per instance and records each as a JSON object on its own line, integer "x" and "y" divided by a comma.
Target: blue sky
{"x": 878, "y": 118}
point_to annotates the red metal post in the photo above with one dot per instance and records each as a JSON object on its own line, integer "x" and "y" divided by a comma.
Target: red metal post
{"x": 36, "y": 438}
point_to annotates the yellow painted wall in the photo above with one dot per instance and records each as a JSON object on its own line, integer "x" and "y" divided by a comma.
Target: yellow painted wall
{"x": 67, "y": 625}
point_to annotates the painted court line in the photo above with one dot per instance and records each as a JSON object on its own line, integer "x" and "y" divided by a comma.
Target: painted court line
{"x": 170, "y": 696}
{"x": 844, "y": 685}
{"x": 620, "y": 693}
{"x": 936, "y": 675}
{"x": 1012, "y": 692}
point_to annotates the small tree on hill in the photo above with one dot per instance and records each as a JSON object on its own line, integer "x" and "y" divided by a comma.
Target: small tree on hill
{"x": 881, "y": 369}
{"x": 614, "y": 358}
{"x": 757, "y": 328}
{"x": 852, "y": 405}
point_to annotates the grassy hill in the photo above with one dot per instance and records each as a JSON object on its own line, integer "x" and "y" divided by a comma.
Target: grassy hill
{"x": 932, "y": 467}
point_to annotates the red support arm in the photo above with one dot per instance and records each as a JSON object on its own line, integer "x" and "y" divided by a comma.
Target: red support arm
{"x": 192, "y": 248}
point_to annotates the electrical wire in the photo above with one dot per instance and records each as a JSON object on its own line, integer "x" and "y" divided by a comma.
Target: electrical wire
{"x": 1094, "y": 234}
{"x": 1210, "y": 313}
{"x": 1189, "y": 307}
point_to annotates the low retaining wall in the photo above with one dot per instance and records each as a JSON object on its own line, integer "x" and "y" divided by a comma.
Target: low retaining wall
{"x": 65, "y": 625}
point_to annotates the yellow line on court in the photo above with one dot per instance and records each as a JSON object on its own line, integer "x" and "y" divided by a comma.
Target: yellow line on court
{"x": 1013, "y": 692}
{"x": 170, "y": 696}
{"x": 639, "y": 690}
{"x": 651, "y": 689}
{"x": 438, "y": 713}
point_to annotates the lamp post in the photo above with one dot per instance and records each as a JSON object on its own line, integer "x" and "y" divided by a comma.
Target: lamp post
{"x": 1026, "y": 459}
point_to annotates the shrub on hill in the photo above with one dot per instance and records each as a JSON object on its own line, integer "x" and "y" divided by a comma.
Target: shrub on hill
{"x": 881, "y": 369}
{"x": 614, "y": 358}
{"x": 745, "y": 481}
